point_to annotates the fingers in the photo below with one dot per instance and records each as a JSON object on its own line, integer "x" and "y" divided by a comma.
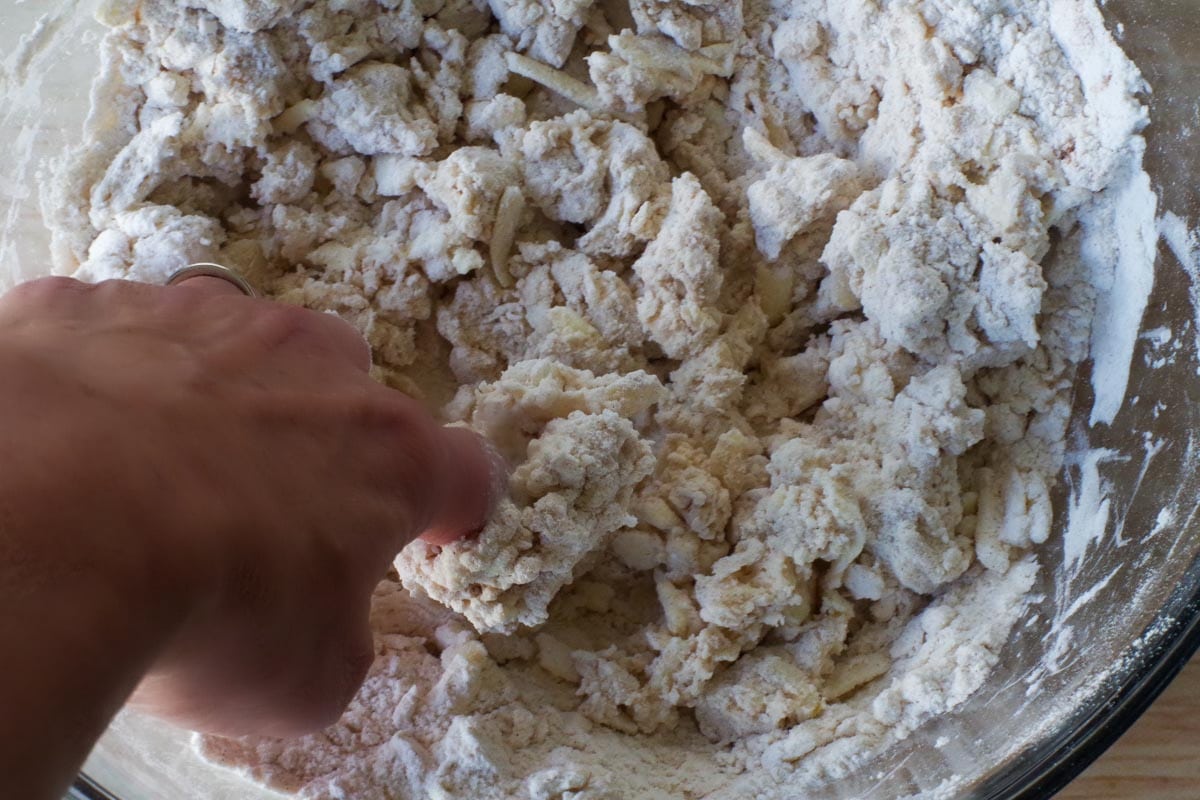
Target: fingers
{"x": 475, "y": 480}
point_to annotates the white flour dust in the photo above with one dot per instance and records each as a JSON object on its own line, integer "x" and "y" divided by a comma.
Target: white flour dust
{"x": 775, "y": 306}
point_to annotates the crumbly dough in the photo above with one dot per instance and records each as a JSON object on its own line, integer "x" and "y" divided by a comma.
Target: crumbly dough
{"x": 581, "y": 461}
{"x": 774, "y": 307}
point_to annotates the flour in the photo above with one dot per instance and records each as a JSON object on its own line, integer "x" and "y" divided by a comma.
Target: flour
{"x": 774, "y": 307}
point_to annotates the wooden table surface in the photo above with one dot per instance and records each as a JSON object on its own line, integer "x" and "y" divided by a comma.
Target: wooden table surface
{"x": 1159, "y": 758}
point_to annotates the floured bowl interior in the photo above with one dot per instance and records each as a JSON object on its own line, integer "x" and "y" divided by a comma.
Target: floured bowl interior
{"x": 1118, "y": 608}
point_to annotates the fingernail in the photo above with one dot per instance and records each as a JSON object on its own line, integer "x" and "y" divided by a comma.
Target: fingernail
{"x": 498, "y": 475}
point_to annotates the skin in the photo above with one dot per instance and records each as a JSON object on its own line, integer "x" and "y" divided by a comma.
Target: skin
{"x": 198, "y": 493}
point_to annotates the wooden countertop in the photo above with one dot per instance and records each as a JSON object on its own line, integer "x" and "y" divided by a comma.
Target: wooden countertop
{"x": 1159, "y": 758}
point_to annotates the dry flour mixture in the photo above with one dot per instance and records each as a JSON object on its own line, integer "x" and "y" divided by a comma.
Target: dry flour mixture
{"x": 775, "y": 307}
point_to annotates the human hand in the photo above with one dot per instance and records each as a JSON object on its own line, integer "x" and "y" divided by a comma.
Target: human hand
{"x": 245, "y": 473}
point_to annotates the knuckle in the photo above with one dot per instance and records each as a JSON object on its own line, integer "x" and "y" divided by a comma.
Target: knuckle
{"x": 47, "y": 291}
{"x": 409, "y": 424}
{"x": 336, "y": 324}
{"x": 357, "y": 344}
{"x": 110, "y": 287}
{"x": 56, "y": 284}
{"x": 282, "y": 327}
{"x": 288, "y": 323}
{"x": 127, "y": 294}
{"x": 113, "y": 290}
{"x": 314, "y": 333}
{"x": 346, "y": 338}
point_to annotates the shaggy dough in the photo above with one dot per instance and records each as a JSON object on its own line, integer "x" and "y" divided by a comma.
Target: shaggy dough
{"x": 755, "y": 296}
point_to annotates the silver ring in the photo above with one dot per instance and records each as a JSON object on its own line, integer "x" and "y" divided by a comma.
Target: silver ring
{"x": 212, "y": 271}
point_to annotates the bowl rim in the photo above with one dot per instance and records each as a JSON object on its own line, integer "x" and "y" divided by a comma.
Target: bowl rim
{"x": 84, "y": 788}
{"x": 1154, "y": 659}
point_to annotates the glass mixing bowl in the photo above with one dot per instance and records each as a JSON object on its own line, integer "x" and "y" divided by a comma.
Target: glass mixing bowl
{"x": 1113, "y": 623}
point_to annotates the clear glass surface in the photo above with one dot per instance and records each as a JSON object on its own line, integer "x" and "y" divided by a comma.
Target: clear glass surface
{"x": 1032, "y": 728}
